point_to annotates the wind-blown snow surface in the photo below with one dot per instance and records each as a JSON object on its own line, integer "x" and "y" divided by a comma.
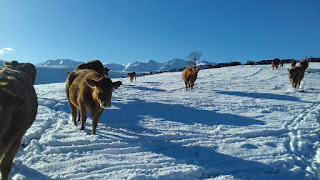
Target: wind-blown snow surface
{"x": 243, "y": 122}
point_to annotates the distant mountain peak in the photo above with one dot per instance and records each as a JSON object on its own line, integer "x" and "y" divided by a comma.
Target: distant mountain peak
{"x": 60, "y": 63}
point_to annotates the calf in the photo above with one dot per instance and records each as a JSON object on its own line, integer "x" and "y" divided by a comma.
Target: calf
{"x": 95, "y": 65}
{"x": 275, "y": 63}
{"x": 132, "y": 75}
{"x": 89, "y": 92}
{"x": 296, "y": 75}
{"x": 189, "y": 76}
{"x": 18, "y": 109}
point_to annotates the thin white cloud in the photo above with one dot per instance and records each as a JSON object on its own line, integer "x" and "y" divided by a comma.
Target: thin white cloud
{"x": 5, "y": 50}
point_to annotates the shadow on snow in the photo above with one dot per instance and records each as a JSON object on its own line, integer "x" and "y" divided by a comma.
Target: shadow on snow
{"x": 261, "y": 95}
{"x": 211, "y": 162}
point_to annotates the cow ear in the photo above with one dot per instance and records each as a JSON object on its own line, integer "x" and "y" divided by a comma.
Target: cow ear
{"x": 107, "y": 69}
{"x": 92, "y": 83}
{"x": 117, "y": 84}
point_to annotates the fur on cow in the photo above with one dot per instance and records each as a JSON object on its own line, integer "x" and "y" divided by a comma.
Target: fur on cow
{"x": 296, "y": 75}
{"x": 132, "y": 75}
{"x": 304, "y": 64}
{"x": 189, "y": 76}
{"x": 293, "y": 64}
{"x": 94, "y": 65}
{"x": 89, "y": 92}
{"x": 18, "y": 109}
{"x": 275, "y": 63}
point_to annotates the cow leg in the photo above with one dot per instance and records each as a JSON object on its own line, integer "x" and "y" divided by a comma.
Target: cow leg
{"x": 95, "y": 121}
{"x": 74, "y": 113}
{"x": 292, "y": 83}
{"x": 78, "y": 118}
{"x": 185, "y": 82}
{"x": 7, "y": 158}
{"x": 83, "y": 115}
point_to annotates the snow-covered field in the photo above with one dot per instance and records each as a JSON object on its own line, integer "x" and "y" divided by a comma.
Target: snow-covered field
{"x": 243, "y": 122}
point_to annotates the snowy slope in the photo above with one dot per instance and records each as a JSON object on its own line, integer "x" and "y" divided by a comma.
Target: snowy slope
{"x": 243, "y": 122}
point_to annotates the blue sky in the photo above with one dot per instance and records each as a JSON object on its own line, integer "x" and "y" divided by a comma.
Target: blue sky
{"x": 123, "y": 31}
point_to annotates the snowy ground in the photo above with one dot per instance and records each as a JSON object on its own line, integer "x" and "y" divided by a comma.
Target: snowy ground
{"x": 243, "y": 122}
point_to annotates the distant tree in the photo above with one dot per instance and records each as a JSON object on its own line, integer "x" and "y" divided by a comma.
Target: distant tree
{"x": 194, "y": 57}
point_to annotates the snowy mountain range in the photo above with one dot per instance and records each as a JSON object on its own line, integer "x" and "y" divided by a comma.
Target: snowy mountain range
{"x": 53, "y": 71}
{"x": 147, "y": 66}
{"x": 60, "y": 63}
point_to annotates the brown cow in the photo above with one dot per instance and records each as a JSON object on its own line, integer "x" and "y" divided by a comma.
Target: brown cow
{"x": 281, "y": 64}
{"x": 293, "y": 64}
{"x": 18, "y": 109}
{"x": 296, "y": 75}
{"x": 95, "y": 65}
{"x": 189, "y": 76}
{"x": 132, "y": 75}
{"x": 89, "y": 92}
{"x": 275, "y": 63}
{"x": 304, "y": 64}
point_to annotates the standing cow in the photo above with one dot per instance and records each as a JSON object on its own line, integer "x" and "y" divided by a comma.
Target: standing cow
{"x": 18, "y": 109}
{"x": 189, "y": 76}
{"x": 132, "y": 76}
{"x": 296, "y": 75}
{"x": 89, "y": 92}
{"x": 275, "y": 63}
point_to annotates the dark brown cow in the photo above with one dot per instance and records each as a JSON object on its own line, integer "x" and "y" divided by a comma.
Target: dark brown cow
{"x": 132, "y": 76}
{"x": 281, "y": 64}
{"x": 189, "y": 76}
{"x": 18, "y": 109}
{"x": 296, "y": 75}
{"x": 95, "y": 65}
{"x": 89, "y": 92}
{"x": 275, "y": 63}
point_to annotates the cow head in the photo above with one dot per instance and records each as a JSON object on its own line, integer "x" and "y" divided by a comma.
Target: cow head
{"x": 103, "y": 88}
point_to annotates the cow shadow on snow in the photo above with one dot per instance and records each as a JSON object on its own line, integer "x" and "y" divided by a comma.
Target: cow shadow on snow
{"x": 175, "y": 112}
{"x": 211, "y": 163}
{"x": 145, "y": 88}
